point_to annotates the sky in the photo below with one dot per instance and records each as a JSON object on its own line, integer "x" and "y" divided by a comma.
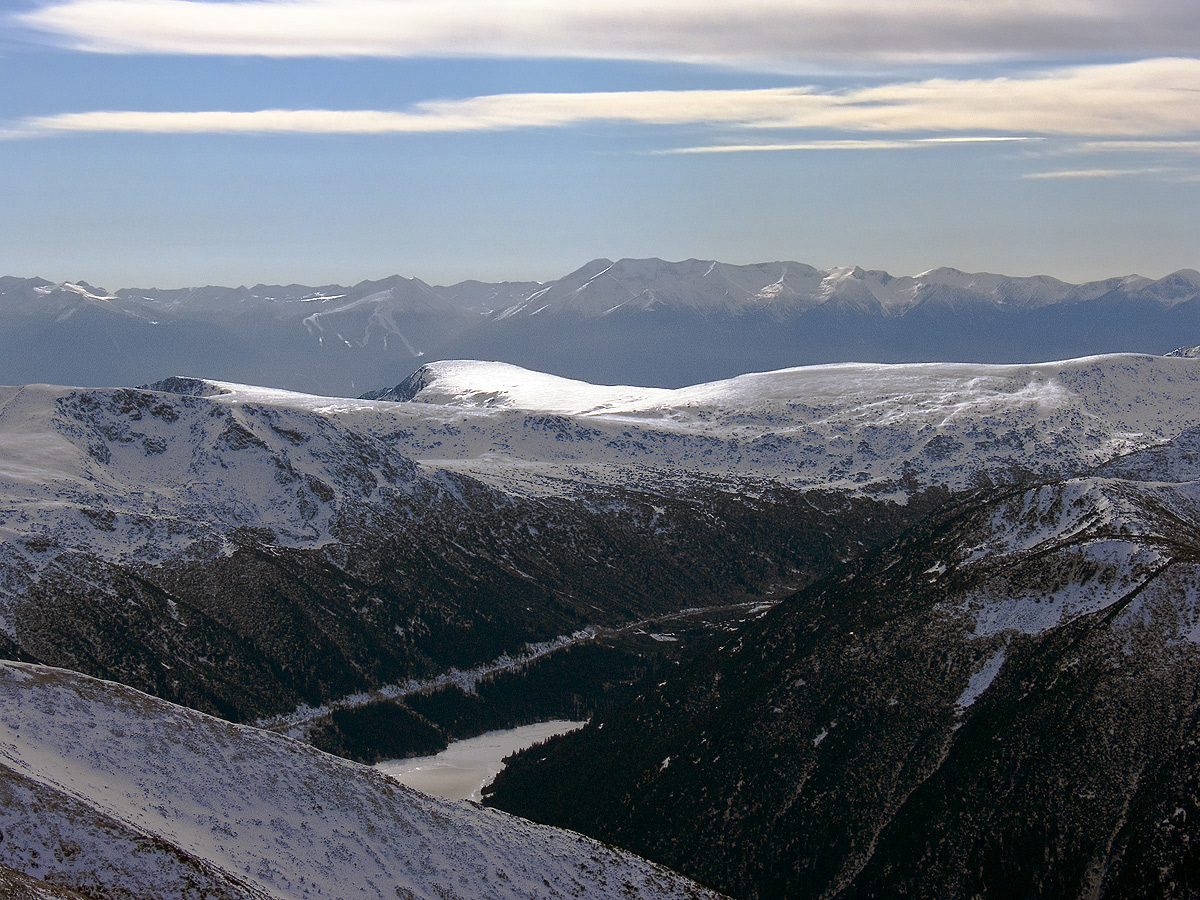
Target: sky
{"x": 164, "y": 143}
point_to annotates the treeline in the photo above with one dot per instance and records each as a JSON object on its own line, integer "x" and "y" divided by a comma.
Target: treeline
{"x": 575, "y": 683}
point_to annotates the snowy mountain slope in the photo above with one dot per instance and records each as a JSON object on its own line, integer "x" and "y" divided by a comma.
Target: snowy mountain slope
{"x": 1001, "y": 703}
{"x": 329, "y": 339}
{"x": 602, "y": 287}
{"x": 645, "y": 321}
{"x": 146, "y": 476}
{"x": 863, "y": 428}
{"x": 245, "y": 550}
{"x": 16, "y": 885}
{"x": 114, "y": 793}
{"x": 163, "y": 469}
{"x": 852, "y": 427}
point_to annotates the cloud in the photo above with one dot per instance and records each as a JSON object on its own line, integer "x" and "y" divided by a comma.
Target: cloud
{"x": 499, "y": 112}
{"x": 1162, "y": 173}
{"x": 1148, "y": 99}
{"x": 846, "y": 144}
{"x": 749, "y": 32}
{"x": 1138, "y": 147}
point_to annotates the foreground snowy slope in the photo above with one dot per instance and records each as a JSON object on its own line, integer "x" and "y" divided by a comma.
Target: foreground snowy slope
{"x": 116, "y": 794}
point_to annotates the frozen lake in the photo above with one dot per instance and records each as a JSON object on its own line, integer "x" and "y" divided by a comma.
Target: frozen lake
{"x": 461, "y": 770}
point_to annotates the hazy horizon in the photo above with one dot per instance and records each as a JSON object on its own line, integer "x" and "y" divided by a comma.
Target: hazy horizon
{"x": 450, "y": 282}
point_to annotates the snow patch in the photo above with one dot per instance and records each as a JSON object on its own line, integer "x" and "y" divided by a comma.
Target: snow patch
{"x": 980, "y": 681}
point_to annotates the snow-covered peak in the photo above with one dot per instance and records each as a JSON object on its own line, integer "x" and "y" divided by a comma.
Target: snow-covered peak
{"x": 1176, "y": 288}
{"x": 841, "y": 273}
{"x": 1189, "y": 277}
{"x": 85, "y": 290}
{"x": 492, "y": 385}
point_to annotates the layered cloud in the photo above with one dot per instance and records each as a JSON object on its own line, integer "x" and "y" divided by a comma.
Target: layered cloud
{"x": 1147, "y": 99}
{"x": 1164, "y": 174}
{"x": 847, "y": 144}
{"x": 1139, "y": 147}
{"x": 749, "y": 32}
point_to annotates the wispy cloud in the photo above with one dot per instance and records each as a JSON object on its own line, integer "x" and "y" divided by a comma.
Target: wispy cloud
{"x": 776, "y": 32}
{"x": 847, "y": 144}
{"x": 1137, "y": 147}
{"x": 1165, "y": 174}
{"x": 1148, "y": 99}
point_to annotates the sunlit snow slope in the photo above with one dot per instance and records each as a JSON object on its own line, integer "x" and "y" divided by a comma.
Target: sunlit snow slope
{"x": 850, "y": 426}
{"x": 166, "y": 470}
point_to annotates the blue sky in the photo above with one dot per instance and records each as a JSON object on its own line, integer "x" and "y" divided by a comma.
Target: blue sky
{"x": 175, "y": 142}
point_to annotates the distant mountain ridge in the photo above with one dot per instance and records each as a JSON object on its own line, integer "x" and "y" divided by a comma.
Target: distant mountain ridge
{"x": 639, "y": 321}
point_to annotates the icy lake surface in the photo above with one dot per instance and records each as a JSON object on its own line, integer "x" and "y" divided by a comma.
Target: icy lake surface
{"x": 461, "y": 771}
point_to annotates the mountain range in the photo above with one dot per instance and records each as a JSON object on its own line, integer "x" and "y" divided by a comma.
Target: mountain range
{"x": 188, "y": 539}
{"x": 633, "y": 321}
{"x": 844, "y": 630}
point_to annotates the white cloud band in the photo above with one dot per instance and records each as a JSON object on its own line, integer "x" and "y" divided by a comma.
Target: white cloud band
{"x": 1139, "y": 147}
{"x": 772, "y": 32}
{"x": 1152, "y": 98}
{"x": 847, "y": 144}
{"x": 1167, "y": 174}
